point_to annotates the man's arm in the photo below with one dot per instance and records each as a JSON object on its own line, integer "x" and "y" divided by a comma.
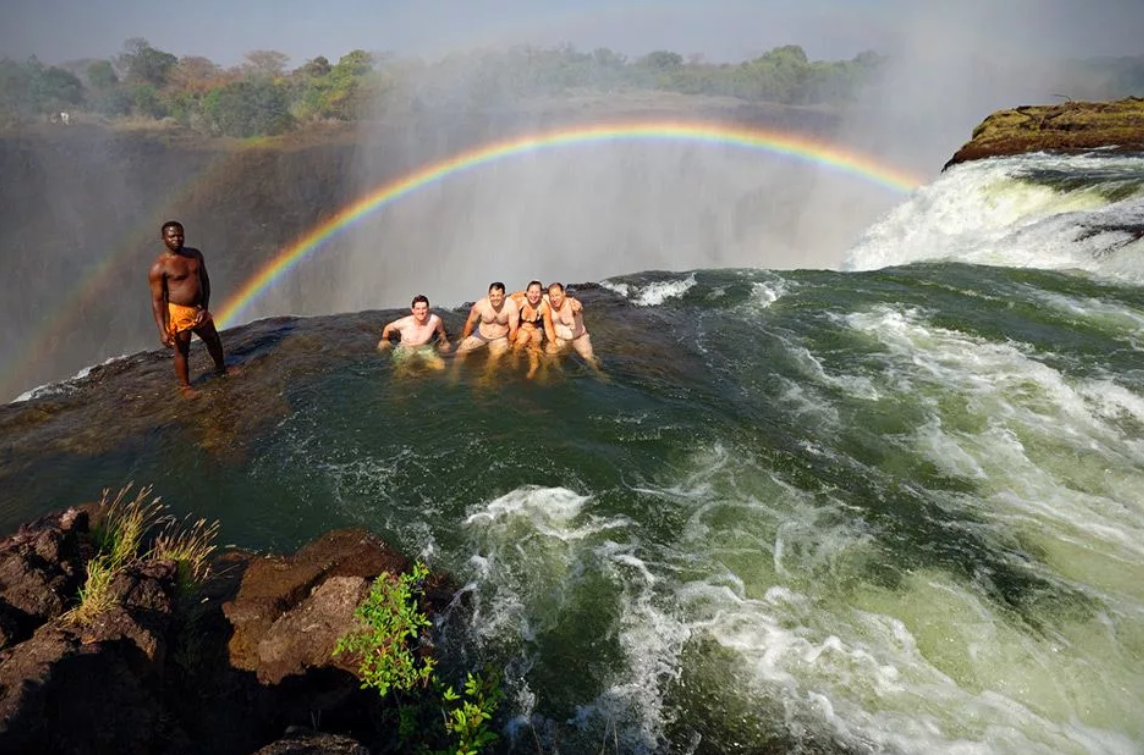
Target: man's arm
{"x": 387, "y": 331}
{"x": 474, "y": 317}
{"x": 204, "y": 314}
{"x": 205, "y": 280}
{"x": 513, "y": 323}
{"x": 549, "y": 330}
{"x": 158, "y": 283}
{"x": 442, "y": 336}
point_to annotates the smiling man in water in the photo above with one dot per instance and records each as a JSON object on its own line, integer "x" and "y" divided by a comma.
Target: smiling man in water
{"x": 417, "y": 330}
{"x": 565, "y": 317}
{"x": 180, "y": 297}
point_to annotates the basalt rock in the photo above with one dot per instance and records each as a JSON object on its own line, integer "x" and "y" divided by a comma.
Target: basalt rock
{"x": 227, "y": 670}
{"x": 41, "y": 568}
{"x": 94, "y": 688}
{"x": 298, "y": 741}
{"x": 275, "y": 590}
{"x": 1070, "y": 127}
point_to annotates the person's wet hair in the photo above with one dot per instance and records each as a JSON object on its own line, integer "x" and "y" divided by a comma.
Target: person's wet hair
{"x": 496, "y": 286}
{"x": 558, "y": 286}
{"x": 420, "y": 298}
{"x": 171, "y": 224}
{"x": 534, "y": 283}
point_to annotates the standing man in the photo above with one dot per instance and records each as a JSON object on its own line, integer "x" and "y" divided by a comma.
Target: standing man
{"x": 180, "y": 297}
{"x": 416, "y": 331}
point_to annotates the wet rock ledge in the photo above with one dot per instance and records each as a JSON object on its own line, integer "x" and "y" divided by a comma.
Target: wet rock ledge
{"x": 242, "y": 664}
{"x": 1069, "y": 127}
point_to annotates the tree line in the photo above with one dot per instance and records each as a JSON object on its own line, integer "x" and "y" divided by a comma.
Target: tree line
{"x": 261, "y": 96}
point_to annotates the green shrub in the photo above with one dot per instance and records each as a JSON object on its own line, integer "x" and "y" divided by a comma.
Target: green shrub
{"x": 389, "y": 641}
{"x": 391, "y": 620}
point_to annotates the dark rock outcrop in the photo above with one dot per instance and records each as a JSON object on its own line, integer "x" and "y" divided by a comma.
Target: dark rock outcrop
{"x": 97, "y": 687}
{"x": 1064, "y": 128}
{"x": 275, "y": 616}
{"x": 304, "y": 742}
{"x": 40, "y": 570}
{"x": 227, "y": 670}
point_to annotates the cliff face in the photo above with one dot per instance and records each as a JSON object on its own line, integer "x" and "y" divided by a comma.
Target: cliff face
{"x": 1068, "y": 127}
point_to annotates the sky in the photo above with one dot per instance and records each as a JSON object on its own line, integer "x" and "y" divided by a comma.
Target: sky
{"x": 57, "y": 31}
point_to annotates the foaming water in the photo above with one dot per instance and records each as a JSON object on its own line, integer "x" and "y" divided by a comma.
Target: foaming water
{"x": 1047, "y": 212}
{"x": 888, "y": 511}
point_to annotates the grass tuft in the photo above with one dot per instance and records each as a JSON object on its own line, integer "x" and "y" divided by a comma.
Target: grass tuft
{"x": 189, "y": 546}
{"x": 125, "y": 524}
{"x": 121, "y": 536}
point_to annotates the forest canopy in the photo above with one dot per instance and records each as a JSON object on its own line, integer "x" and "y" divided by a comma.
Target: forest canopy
{"x": 263, "y": 96}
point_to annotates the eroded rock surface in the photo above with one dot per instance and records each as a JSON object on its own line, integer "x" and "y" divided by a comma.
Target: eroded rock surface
{"x": 1065, "y": 128}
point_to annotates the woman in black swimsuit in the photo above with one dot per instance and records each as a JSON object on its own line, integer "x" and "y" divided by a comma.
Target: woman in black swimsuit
{"x": 530, "y": 334}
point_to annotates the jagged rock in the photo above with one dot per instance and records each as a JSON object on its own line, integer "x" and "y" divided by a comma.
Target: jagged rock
{"x": 93, "y": 688}
{"x": 41, "y": 568}
{"x": 274, "y": 586}
{"x": 305, "y": 636}
{"x": 305, "y": 742}
{"x": 144, "y": 598}
{"x": 155, "y": 673}
{"x": 60, "y": 695}
{"x": 1068, "y": 127}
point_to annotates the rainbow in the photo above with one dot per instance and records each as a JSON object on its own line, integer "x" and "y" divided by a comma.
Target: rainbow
{"x": 789, "y": 145}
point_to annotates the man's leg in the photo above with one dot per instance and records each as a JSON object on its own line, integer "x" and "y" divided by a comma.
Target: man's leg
{"x": 210, "y": 337}
{"x": 497, "y": 349}
{"x": 182, "y": 350}
{"x": 472, "y": 343}
{"x": 583, "y": 347}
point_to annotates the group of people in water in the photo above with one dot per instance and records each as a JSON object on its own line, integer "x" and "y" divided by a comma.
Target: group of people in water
{"x": 537, "y": 321}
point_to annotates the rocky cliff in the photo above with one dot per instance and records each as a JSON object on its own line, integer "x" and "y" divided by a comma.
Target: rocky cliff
{"x": 1068, "y": 127}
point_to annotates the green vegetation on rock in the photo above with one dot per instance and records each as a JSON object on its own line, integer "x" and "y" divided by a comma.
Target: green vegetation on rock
{"x": 1067, "y": 127}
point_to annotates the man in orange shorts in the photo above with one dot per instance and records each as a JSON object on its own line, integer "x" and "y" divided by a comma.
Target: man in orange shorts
{"x": 180, "y": 296}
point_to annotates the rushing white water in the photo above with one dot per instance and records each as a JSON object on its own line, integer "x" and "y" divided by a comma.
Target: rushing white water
{"x": 1042, "y": 211}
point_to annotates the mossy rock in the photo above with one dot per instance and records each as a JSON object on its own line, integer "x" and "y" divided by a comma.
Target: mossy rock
{"x": 1066, "y": 128}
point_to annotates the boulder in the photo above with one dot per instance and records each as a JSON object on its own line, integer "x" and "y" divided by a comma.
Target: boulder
{"x": 95, "y": 688}
{"x": 276, "y": 586}
{"x": 305, "y": 636}
{"x": 1070, "y": 127}
{"x": 299, "y": 741}
{"x": 41, "y": 569}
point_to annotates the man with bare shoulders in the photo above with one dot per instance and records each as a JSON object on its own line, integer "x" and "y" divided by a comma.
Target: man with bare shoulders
{"x": 180, "y": 300}
{"x": 532, "y": 306}
{"x": 493, "y": 322}
{"x": 417, "y": 331}
{"x": 564, "y": 320}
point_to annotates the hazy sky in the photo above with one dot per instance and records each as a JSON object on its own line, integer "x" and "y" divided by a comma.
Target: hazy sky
{"x": 60, "y": 30}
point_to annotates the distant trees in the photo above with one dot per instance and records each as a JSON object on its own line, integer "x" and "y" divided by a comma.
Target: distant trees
{"x": 262, "y": 96}
{"x": 265, "y": 63}
{"x": 248, "y": 108}
{"x": 31, "y": 88}
{"x": 144, "y": 64}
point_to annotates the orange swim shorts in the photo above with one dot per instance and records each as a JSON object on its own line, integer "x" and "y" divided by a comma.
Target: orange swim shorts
{"x": 180, "y": 318}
